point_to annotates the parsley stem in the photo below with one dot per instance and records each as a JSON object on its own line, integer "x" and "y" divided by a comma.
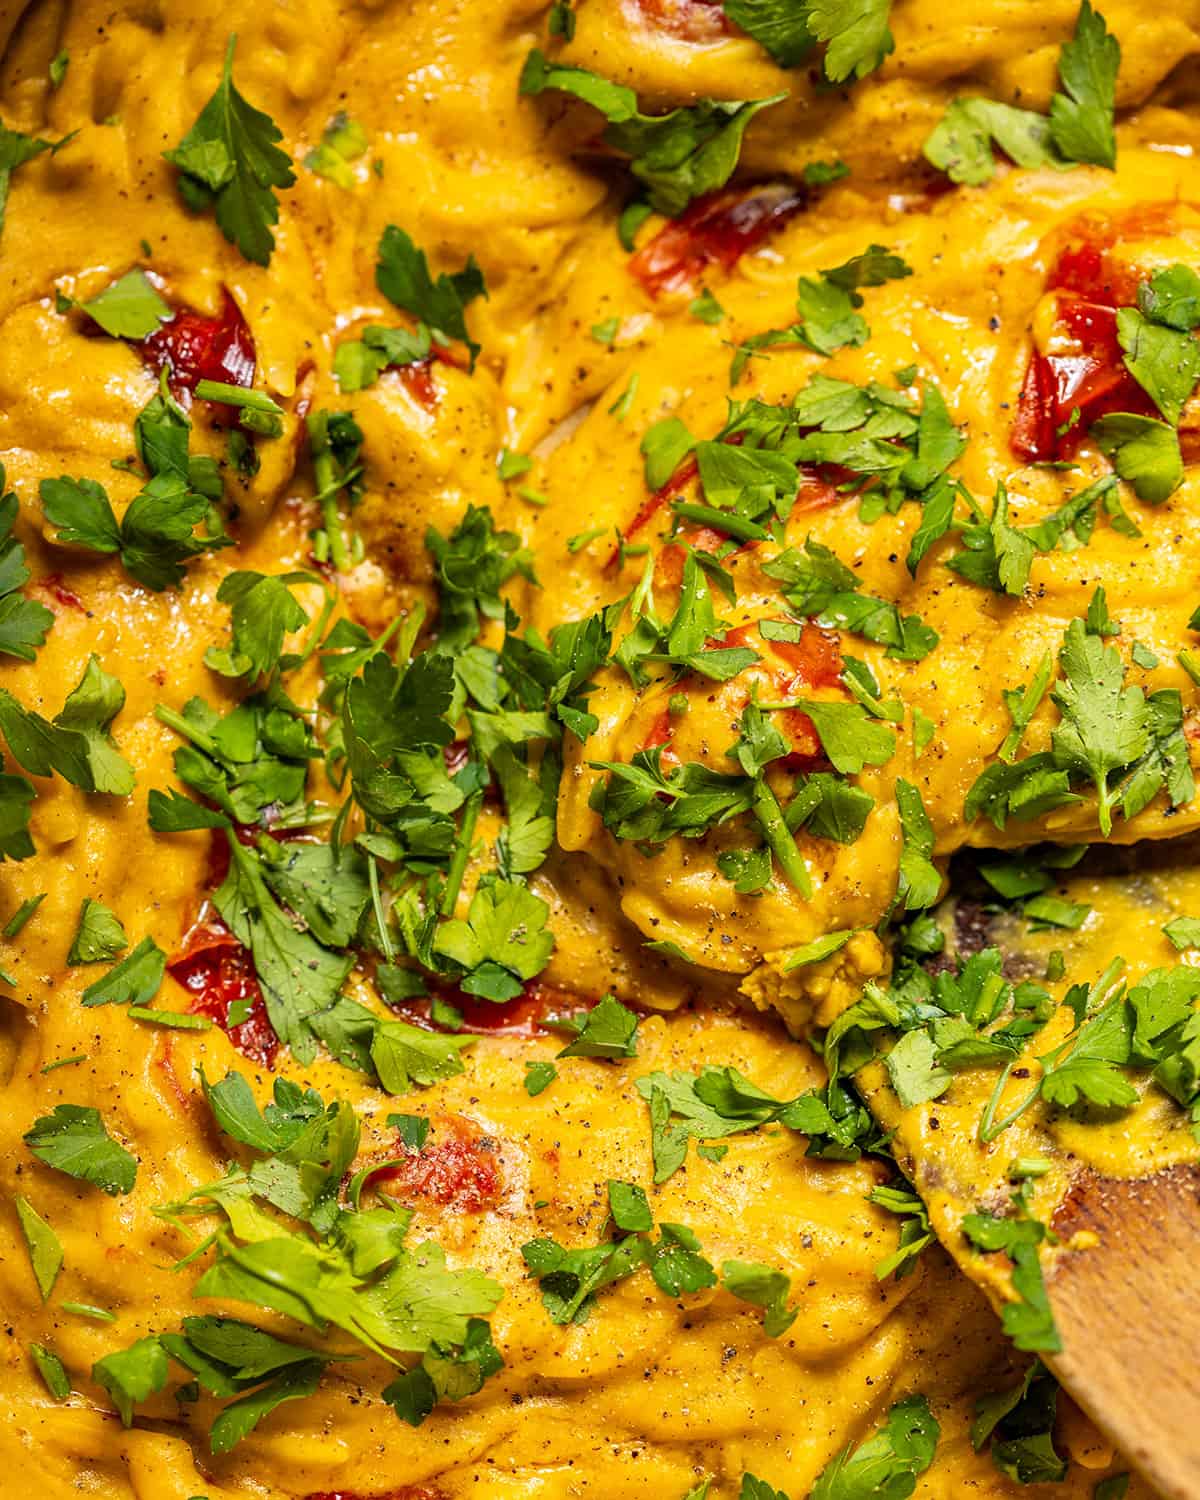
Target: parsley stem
{"x": 243, "y": 397}
{"x": 187, "y": 729}
{"x": 385, "y": 937}
{"x": 339, "y": 552}
{"x": 779, "y": 838}
{"x": 462, "y": 853}
{"x": 318, "y": 630}
{"x": 408, "y": 636}
{"x": 721, "y": 520}
{"x": 989, "y": 1126}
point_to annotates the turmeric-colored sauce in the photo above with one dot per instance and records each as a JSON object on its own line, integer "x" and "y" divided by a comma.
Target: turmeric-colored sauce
{"x": 508, "y": 610}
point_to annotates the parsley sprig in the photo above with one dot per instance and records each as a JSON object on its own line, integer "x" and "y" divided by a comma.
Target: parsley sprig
{"x": 230, "y": 161}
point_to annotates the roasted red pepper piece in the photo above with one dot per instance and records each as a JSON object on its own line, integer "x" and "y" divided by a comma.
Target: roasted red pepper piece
{"x": 194, "y": 347}
{"x": 1063, "y": 393}
{"x": 216, "y": 970}
{"x": 715, "y": 230}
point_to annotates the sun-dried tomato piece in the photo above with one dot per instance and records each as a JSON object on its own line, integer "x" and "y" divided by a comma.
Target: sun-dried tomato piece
{"x": 218, "y": 971}
{"x": 457, "y": 1168}
{"x": 194, "y": 347}
{"x": 715, "y": 230}
{"x": 689, "y": 20}
{"x": 524, "y": 1016}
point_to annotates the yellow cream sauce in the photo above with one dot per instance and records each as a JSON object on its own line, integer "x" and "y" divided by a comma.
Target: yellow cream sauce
{"x": 651, "y": 1395}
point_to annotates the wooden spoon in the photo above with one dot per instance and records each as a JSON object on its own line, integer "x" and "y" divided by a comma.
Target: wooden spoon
{"x": 1128, "y": 1311}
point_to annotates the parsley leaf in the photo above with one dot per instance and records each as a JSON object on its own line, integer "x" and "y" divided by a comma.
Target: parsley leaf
{"x": 24, "y": 623}
{"x": 502, "y": 942}
{"x": 719, "y": 1102}
{"x": 129, "y": 308}
{"x": 1183, "y": 932}
{"x": 1079, "y": 127}
{"x": 405, "y": 1055}
{"x": 471, "y": 567}
{"x": 1172, "y": 297}
{"x": 98, "y": 936}
{"x": 1081, "y": 119}
{"x": 664, "y": 446}
{"x": 45, "y": 1251}
{"x": 132, "y": 1375}
{"x": 676, "y": 156}
{"x": 920, "y": 881}
{"x": 1022, "y": 703}
{"x": 629, "y": 1206}
{"x": 230, "y": 160}
{"x": 538, "y": 1077}
{"x": 888, "y": 1463}
{"x": 87, "y": 712}
{"x": 857, "y": 35}
{"x": 16, "y": 801}
{"x": 76, "y": 744}
{"x": 1144, "y": 451}
{"x": 156, "y": 535}
{"x": 358, "y": 363}
{"x": 962, "y": 142}
{"x": 818, "y": 585}
{"x": 262, "y": 611}
{"x": 640, "y": 803}
{"x": 402, "y": 275}
{"x": 850, "y": 737}
{"x": 15, "y": 150}
{"x": 300, "y": 979}
{"x": 763, "y": 1287}
{"x": 135, "y": 980}
{"x": 1105, "y": 723}
{"x": 779, "y": 26}
{"x": 1020, "y": 1423}
{"x": 73, "y": 1139}
{"x": 1164, "y": 361}
{"x": 827, "y": 306}
{"x": 446, "y": 1373}
{"x": 608, "y": 1030}
{"x": 1028, "y": 1321}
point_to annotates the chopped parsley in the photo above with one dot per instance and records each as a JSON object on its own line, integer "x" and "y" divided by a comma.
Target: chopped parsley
{"x": 154, "y": 538}
{"x": 1027, "y": 1320}
{"x": 676, "y": 157}
{"x": 887, "y": 1463}
{"x": 230, "y": 161}
{"x": 45, "y": 1250}
{"x": 15, "y": 150}
{"x": 129, "y": 308}
{"x": 402, "y": 275}
{"x": 1079, "y": 128}
{"x": 98, "y": 936}
{"x": 343, "y": 142}
{"x": 73, "y": 1139}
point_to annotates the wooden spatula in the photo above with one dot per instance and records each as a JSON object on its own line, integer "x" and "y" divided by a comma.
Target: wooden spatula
{"x": 1128, "y": 1311}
